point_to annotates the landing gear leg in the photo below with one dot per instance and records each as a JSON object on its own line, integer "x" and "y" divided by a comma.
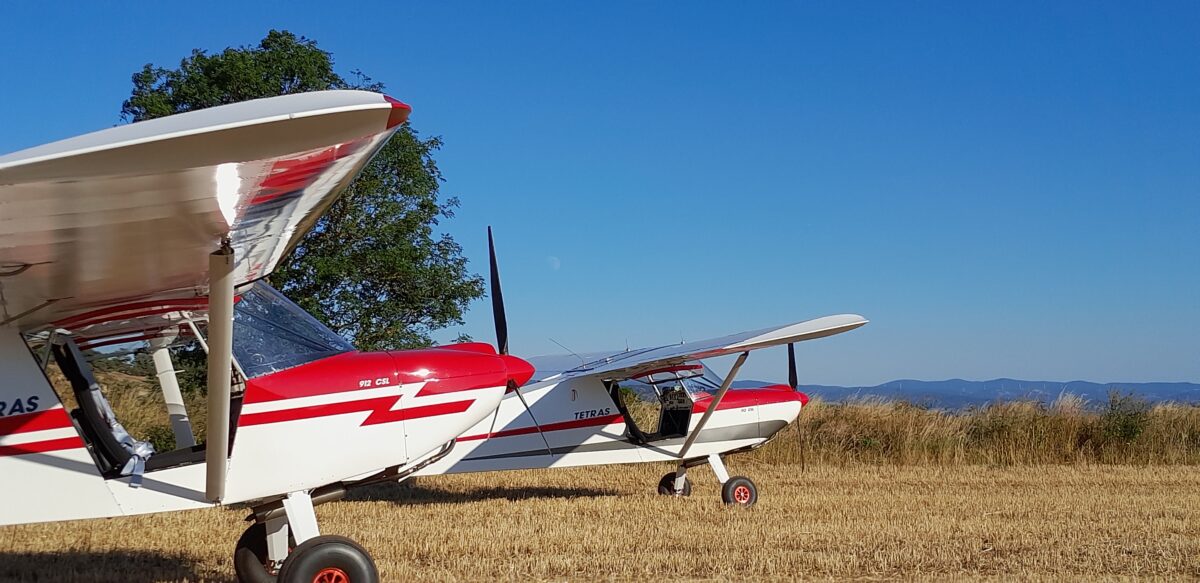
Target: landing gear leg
{"x": 718, "y": 467}
{"x": 279, "y": 542}
{"x": 265, "y": 553}
{"x": 735, "y": 490}
{"x": 675, "y": 483}
{"x": 301, "y": 516}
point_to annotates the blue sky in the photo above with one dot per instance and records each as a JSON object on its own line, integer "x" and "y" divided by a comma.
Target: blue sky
{"x": 1004, "y": 189}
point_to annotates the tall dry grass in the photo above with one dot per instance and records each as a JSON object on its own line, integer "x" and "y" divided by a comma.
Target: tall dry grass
{"x": 1069, "y": 431}
{"x": 138, "y": 404}
{"x": 1123, "y": 430}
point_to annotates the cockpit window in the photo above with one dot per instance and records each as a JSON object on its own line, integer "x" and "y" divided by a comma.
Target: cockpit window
{"x": 270, "y": 333}
{"x": 708, "y": 383}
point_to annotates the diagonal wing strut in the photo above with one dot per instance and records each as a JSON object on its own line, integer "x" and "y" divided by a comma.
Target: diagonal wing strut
{"x": 716, "y": 400}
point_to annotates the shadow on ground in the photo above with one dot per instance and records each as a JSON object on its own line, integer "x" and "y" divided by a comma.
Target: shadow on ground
{"x": 101, "y": 567}
{"x": 412, "y": 493}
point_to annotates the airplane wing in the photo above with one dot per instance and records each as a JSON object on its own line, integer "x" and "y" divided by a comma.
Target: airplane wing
{"x": 117, "y": 225}
{"x": 633, "y": 363}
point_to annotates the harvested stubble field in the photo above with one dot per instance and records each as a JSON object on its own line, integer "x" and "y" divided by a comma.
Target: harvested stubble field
{"x": 861, "y": 521}
{"x": 860, "y": 490}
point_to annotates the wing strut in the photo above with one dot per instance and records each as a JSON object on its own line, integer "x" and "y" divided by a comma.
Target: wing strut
{"x": 220, "y": 363}
{"x": 177, "y": 413}
{"x": 716, "y": 400}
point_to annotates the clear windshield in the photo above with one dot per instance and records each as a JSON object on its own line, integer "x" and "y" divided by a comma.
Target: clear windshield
{"x": 270, "y": 333}
{"x": 705, "y": 383}
{"x": 708, "y": 383}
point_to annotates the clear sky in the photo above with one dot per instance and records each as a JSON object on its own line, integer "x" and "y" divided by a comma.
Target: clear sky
{"x": 1004, "y": 189}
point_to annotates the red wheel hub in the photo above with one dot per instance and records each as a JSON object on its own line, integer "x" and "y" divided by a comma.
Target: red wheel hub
{"x": 741, "y": 494}
{"x": 331, "y": 575}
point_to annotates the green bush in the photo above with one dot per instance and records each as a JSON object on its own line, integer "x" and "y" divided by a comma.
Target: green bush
{"x": 1125, "y": 417}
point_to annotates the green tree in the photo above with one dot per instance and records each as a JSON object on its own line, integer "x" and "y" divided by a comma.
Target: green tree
{"x": 372, "y": 268}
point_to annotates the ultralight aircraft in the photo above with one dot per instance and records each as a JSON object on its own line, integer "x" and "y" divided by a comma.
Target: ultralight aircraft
{"x": 581, "y": 410}
{"x": 163, "y": 231}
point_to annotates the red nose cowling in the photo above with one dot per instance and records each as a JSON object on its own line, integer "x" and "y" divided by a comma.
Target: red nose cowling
{"x": 519, "y": 371}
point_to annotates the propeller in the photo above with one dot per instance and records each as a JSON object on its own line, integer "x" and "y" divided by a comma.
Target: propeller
{"x": 502, "y": 332}
{"x": 793, "y": 379}
{"x": 497, "y": 299}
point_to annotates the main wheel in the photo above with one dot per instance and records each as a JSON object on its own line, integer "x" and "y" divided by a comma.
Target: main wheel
{"x": 250, "y": 556}
{"x": 739, "y": 491}
{"x": 666, "y": 486}
{"x": 329, "y": 559}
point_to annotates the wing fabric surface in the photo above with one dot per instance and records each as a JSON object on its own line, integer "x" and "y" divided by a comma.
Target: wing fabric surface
{"x": 623, "y": 365}
{"x": 120, "y": 222}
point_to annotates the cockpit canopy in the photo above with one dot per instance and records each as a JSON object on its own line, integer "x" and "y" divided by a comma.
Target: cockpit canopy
{"x": 270, "y": 333}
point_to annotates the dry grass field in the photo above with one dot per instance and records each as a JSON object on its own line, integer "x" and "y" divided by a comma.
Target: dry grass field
{"x": 858, "y": 521}
{"x": 869, "y": 490}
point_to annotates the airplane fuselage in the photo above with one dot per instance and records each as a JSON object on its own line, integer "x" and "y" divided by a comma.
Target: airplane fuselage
{"x": 581, "y": 424}
{"x": 338, "y": 419}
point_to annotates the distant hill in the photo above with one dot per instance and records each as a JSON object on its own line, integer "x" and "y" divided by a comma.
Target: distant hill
{"x": 959, "y": 393}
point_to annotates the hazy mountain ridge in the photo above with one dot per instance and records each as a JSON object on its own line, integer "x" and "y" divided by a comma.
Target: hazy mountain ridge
{"x": 959, "y": 393}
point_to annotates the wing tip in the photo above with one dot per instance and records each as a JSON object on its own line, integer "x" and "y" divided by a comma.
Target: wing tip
{"x": 400, "y": 112}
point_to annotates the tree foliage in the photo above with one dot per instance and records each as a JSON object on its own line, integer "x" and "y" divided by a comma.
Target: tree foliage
{"x": 372, "y": 268}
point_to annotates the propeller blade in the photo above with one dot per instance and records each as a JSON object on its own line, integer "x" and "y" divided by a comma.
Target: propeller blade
{"x": 502, "y": 333}
{"x": 793, "y": 379}
{"x": 498, "y": 301}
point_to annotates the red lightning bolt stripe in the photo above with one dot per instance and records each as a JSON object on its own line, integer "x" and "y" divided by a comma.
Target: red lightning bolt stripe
{"x": 387, "y": 416}
{"x": 380, "y": 408}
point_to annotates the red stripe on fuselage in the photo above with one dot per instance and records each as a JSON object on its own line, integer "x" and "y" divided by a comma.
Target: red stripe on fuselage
{"x": 380, "y": 408}
{"x": 41, "y": 446}
{"x": 418, "y": 412}
{"x": 36, "y": 421}
{"x": 593, "y": 422}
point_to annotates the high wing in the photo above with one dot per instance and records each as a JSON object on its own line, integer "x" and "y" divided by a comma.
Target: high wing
{"x": 633, "y": 363}
{"x": 115, "y": 227}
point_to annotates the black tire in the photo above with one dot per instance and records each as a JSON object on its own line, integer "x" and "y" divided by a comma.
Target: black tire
{"x": 329, "y": 559}
{"x": 250, "y": 556}
{"x": 739, "y": 491}
{"x": 666, "y": 486}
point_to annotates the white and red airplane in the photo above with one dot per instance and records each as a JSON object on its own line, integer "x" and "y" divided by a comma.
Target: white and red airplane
{"x": 163, "y": 230}
{"x": 576, "y": 412}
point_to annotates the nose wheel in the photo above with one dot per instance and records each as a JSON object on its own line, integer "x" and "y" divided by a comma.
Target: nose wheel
{"x": 329, "y": 559}
{"x": 267, "y": 552}
{"x": 739, "y": 491}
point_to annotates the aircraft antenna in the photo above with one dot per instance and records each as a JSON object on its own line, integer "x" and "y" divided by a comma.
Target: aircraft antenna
{"x": 573, "y": 353}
